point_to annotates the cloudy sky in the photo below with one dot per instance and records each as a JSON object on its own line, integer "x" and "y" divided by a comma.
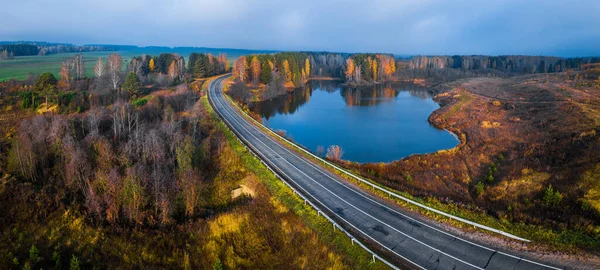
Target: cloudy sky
{"x": 548, "y": 27}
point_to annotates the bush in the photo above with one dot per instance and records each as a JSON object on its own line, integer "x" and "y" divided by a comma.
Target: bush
{"x": 479, "y": 189}
{"x": 75, "y": 263}
{"x": 29, "y": 99}
{"x": 34, "y": 254}
{"x": 141, "y": 101}
{"x": 551, "y": 197}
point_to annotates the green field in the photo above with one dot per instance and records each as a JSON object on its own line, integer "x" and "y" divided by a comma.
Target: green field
{"x": 19, "y": 67}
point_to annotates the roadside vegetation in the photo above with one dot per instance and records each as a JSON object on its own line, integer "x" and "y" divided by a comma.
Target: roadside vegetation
{"x": 526, "y": 163}
{"x": 132, "y": 168}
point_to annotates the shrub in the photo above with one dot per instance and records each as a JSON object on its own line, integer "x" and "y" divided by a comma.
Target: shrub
{"x": 479, "y": 189}
{"x": 74, "y": 265}
{"x": 34, "y": 254}
{"x": 552, "y": 197}
{"x": 141, "y": 101}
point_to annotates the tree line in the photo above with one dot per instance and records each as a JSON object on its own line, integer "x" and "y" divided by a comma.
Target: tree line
{"x": 369, "y": 68}
{"x": 506, "y": 63}
{"x": 11, "y": 50}
{"x": 288, "y": 68}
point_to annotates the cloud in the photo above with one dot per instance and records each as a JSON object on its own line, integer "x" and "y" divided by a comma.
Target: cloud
{"x": 549, "y": 27}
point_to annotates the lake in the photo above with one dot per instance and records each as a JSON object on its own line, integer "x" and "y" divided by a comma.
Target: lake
{"x": 372, "y": 124}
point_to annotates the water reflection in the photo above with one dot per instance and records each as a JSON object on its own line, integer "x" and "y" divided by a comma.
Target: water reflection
{"x": 372, "y": 124}
{"x": 352, "y": 96}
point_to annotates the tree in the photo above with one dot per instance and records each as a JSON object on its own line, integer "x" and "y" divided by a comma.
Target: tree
{"x": 132, "y": 85}
{"x": 349, "y": 71}
{"x": 46, "y": 84}
{"x": 135, "y": 66}
{"x": 307, "y": 67}
{"x": 335, "y": 152}
{"x": 552, "y": 197}
{"x": 115, "y": 63}
{"x": 240, "y": 68}
{"x": 99, "y": 68}
{"x": 256, "y": 70}
{"x": 286, "y": 71}
{"x": 173, "y": 71}
{"x": 266, "y": 72}
{"x": 151, "y": 65}
{"x": 65, "y": 75}
{"x": 320, "y": 151}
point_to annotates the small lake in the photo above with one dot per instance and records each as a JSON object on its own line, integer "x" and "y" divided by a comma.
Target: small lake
{"x": 372, "y": 124}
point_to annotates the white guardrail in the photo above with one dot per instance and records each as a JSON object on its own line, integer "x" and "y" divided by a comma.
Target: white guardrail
{"x": 306, "y": 201}
{"x": 481, "y": 226}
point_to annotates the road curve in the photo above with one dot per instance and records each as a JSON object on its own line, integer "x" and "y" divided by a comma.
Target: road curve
{"x": 403, "y": 240}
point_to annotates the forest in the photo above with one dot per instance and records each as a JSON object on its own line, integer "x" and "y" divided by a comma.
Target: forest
{"x": 9, "y": 51}
{"x": 133, "y": 167}
{"x": 276, "y": 74}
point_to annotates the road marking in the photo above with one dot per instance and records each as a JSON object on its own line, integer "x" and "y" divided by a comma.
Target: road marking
{"x": 318, "y": 211}
{"x": 226, "y": 107}
{"x": 374, "y": 218}
{"x": 395, "y": 211}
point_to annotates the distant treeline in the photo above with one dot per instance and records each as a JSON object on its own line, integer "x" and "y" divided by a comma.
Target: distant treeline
{"x": 24, "y": 48}
{"x": 11, "y": 50}
{"x": 510, "y": 63}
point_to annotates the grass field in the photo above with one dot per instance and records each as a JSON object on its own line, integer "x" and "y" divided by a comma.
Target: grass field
{"x": 19, "y": 67}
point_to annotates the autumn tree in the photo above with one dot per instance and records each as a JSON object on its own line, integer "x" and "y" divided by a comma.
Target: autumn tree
{"x": 256, "y": 69}
{"x": 335, "y": 152}
{"x": 173, "y": 71}
{"x": 307, "y": 67}
{"x": 99, "y": 68}
{"x": 151, "y": 65}
{"x": 286, "y": 71}
{"x": 349, "y": 70}
{"x": 240, "y": 68}
{"x": 115, "y": 63}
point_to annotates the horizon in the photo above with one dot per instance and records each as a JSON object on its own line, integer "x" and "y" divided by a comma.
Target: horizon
{"x": 398, "y": 27}
{"x": 397, "y": 55}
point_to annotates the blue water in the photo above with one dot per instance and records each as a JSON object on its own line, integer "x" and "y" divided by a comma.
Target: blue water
{"x": 375, "y": 124}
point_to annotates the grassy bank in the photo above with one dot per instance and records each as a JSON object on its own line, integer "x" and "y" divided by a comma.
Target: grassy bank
{"x": 357, "y": 257}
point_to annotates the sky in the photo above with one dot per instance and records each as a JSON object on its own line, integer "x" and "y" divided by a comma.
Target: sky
{"x": 404, "y": 27}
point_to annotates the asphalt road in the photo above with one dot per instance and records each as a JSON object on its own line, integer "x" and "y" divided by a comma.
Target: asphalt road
{"x": 402, "y": 239}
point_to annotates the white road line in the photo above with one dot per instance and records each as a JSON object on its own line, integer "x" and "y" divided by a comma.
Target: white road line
{"x": 394, "y": 194}
{"x": 225, "y": 107}
{"x": 308, "y": 193}
{"x": 374, "y": 218}
{"x": 408, "y": 217}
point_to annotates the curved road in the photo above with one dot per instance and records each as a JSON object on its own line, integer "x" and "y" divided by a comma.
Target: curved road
{"x": 403, "y": 240}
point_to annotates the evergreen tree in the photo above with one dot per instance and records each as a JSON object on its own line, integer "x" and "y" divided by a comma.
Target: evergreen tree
{"x": 132, "y": 85}
{"x": 46, "y": 84}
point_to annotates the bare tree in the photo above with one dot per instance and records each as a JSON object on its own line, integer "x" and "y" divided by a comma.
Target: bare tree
{"x": 115, "y": 63}
{"x": 99, "y": 68}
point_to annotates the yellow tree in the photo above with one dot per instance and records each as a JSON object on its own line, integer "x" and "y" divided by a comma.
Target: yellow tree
{"x": 349, "y": 69}
{"x": 374, "y": 68}
{"x": 173, "y": 71}
{"x": 151, "y": 65}
{"x": 255, "y": 67}
{"x": 307, "y": 67}
{"x": 286, "y": 71}
{"x": 240, "y": 68}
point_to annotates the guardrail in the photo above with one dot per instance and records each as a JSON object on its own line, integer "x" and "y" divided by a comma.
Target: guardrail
{"x": 279, "y": 174}
{"x": 474, "y": 224}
